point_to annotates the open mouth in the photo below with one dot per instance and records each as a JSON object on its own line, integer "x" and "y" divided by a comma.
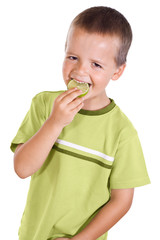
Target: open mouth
{"x": 81, "y": 81}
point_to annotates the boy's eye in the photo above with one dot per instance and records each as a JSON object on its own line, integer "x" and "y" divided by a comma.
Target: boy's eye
{"x": 72, "y": 58}
{"x": 96, "y": 65}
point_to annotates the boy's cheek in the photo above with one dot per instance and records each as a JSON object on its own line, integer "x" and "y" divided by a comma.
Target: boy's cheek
{"x": 65, "y": 70}
{"x": 65, "y": 75}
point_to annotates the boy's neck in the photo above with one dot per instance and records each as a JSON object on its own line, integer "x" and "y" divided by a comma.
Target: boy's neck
{"x": 96, "y": 104}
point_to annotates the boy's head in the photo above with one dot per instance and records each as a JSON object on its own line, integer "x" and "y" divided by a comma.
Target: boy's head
{"x": 97, "y": 44}
{"x": 107, "y": 21}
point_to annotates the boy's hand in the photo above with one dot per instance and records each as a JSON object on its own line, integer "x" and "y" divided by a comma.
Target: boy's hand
{"x": 65, "y": 107}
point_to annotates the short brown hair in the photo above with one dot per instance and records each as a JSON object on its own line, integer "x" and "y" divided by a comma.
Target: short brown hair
{"x": 106, "y": 20}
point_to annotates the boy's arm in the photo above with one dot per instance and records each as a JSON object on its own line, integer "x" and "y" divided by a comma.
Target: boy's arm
{"x": 109, "y": 215}
{"x": 30, "y": 156}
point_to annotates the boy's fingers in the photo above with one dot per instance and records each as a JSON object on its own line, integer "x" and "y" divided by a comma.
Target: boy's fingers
{"x": 75, "y": 103}
{"x": 78, "y": 108}
{"x": 70, "y": 96}
{"x": 64, "y": 94}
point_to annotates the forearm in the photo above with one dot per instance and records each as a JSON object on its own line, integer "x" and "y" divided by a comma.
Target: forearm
{"x": 32, "y": 154}
{"x": 106, "y": 218}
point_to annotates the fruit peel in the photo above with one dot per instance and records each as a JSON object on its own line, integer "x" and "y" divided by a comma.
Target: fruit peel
{"x": 80, "y": 85}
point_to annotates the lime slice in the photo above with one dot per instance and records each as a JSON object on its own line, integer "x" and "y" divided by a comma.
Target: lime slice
{"x": 80, "y": 85}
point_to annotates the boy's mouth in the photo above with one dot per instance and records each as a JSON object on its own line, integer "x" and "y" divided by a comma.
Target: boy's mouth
{"x": 81, "y": 81}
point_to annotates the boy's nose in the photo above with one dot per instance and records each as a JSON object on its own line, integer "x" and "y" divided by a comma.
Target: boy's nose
{"x": 80, "y": 72}
{"x": 81, "y": 69}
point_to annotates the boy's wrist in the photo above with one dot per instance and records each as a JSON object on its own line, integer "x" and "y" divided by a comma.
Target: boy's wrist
{"x": 53, "y": 125}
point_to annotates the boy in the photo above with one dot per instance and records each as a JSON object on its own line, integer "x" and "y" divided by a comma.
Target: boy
{"x": 82, "y": 153}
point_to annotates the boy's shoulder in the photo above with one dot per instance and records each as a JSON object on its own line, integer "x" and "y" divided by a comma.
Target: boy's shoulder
{"x": 124, "y": 124}
{"x": 46, "y": 95}
{"x": 43, "y": 101}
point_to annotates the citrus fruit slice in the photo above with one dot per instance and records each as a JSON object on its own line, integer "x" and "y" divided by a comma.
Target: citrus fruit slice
{"x": 80, "y": 85}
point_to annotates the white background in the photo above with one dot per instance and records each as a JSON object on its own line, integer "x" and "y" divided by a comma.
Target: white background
{"x": 32, "y": 37}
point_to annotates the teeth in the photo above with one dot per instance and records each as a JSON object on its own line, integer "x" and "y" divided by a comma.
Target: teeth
{"x": 80, "y": 82}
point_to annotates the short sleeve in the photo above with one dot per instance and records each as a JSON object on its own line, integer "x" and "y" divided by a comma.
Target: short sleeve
{"x": 129, "y": 168}
{"x": 32, "y": 122}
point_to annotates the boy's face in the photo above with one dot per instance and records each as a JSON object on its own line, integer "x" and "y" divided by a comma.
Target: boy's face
{"x": 90, "y": 57}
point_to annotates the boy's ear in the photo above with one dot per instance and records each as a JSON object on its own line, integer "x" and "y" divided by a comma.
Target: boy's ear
{"x": 118, "y": 72}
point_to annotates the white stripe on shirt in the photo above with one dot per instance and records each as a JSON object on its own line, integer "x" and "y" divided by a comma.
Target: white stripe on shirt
{"x": 84, "y": 149}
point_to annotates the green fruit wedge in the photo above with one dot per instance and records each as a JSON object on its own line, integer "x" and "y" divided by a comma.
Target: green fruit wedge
{"x": 80, "y": 85}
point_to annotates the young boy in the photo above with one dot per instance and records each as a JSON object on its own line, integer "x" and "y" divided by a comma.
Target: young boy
{"x": 82, "y": 153}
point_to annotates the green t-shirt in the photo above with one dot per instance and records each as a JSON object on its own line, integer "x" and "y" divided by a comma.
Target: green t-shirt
{"x": 98, "y": 151}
